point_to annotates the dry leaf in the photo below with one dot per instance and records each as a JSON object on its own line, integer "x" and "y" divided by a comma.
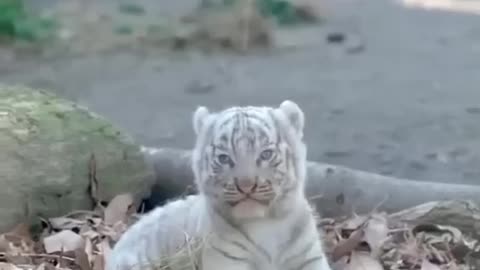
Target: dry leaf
{"x": 22, "y": 230}
{"x": 362, "y": 261}
{"x": 354, "y": 222}
{"x": 119, "y": 209}
{"x": 4, "y": 244}
{"x": 99, "y": 262}
{"x": 14, "y": 245}
{"x": 376, "y": 233}
{"x": 41, "y": 266}
{"x": 340, "y": 264}
{"x": 346, "y": 246}
{"x": 64, "y": 223}
{"x": 81, "y": 259}
{"x": 63, "y": 241}
{"x": 8, "y": 266}
{"x": 427, "y": 265}
{"x": 89, "y": 250}
{"x": 104, "y": 248}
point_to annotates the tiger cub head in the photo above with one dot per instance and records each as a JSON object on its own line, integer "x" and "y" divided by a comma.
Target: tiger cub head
{"x": 249, "y": 160}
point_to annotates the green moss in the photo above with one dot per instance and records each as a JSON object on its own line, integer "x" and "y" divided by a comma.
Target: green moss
{"x": 283, "y": 11}
{"x": 131, "y": 8}
{"x": 18, "y": 24}
{"x": 123, "y": 29}
{"x": 47, "y": 143}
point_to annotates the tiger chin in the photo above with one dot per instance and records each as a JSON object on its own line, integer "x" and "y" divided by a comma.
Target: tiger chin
{"x": 250, "y": 212}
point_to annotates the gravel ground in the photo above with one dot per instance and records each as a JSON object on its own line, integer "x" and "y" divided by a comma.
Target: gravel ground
{"x": 399, "y": 97}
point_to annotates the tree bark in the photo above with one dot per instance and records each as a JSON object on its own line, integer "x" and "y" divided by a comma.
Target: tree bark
{"x": 463, "y": 215}
{"x": 335, "y": 190}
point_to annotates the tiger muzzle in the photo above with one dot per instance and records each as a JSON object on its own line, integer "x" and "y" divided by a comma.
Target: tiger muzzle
{"x": 245, "y": 185}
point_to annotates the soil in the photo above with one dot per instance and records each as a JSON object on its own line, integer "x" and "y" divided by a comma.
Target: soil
{"x": 385, "y": 88}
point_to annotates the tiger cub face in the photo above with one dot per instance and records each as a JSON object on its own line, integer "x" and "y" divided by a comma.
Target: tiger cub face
{"x": 246, "y": 160}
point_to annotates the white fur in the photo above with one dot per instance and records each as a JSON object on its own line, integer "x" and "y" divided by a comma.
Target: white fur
{"x": 199, "y": 117}
{"x": 294, "y": 115}
{"x": 282, "y": 237}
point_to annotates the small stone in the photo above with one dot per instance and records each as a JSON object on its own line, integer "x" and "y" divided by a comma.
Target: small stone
{"x": 329, "y": 171}
{"x": 197, "y": 87}
{"x": 340, "y": 199}
{"x": 473, "y": 110}
{"x": 337, "y": 154}
{"x": 336, "y": 37}
{"x": 417, "y": 165}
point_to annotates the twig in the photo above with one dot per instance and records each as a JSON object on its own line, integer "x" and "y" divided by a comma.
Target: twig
{"x": 93, "y": 181}
{"x": 347, "y": 246}
{"x": 52, "y": 256}
{"x": 355, "y": 238}
{"x": 316, "y": 197}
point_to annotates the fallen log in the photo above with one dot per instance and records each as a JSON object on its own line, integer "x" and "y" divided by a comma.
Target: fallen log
{"x": 335, "y": 190}
{"x": 461, "y": 214}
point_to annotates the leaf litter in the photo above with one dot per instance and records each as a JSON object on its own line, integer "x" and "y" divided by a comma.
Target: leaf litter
{"x": 83, "y": 239}
{"x": 396, "y": 241}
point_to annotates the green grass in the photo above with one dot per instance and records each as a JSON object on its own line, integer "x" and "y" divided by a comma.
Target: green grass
{"x": 18, "y": 24}
{"x": 131, "y": 8}
{"x": 281, "y": 10}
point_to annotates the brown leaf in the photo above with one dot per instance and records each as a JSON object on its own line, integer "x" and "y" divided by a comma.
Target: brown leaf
{"x": 18, "y": 240}
{"x": 14, "y": 245}
{"x": 376, "y": 233}
{"x": 104, "y": 248}
{"x": 63, "y": 241}
{"x": 64, "y": 223}
{"x": 4, "y": 244}
{"x": 22, "y": 230}
{"x": 41, "y": 266}
{"x": 427, "y": 265}
{"x": 119, "y": 209}
{"x": 88, "y": 233}
{"x": 99, "y": 262}
{"x": 49, "y": 266}
{"x": 89, "y": 250}
{"x": 346, "y": 246}
{"x": 81, "y": 259}
{"x": 354, "y": 223}
{"x": 409, "y": 249}
{"x": 340, "y": 264}
{"x": 362, "y": 261}
{"x": 8, "y": 266}
{"x": 18, "y": 259}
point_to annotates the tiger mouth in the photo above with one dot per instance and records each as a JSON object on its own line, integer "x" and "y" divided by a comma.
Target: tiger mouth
{"x": 249, "y": 198}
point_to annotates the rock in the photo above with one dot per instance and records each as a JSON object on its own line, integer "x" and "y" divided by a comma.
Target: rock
{"x": 46, "y": 144}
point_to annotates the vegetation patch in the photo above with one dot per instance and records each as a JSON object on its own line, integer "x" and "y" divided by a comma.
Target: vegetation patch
{"x": 284, "y": 12}
{"x": 16, "y": 23}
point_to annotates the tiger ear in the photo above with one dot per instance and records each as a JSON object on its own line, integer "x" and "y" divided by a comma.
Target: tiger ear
{"x": 294, "y": 115}
{"x": 199, "y": 118}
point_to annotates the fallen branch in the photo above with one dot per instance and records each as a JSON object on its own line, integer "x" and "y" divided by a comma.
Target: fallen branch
{"x": 339, "y": 190}
{"x": 464, "y": 215}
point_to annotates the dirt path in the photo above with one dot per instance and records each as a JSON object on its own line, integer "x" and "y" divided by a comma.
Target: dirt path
{"x": 408, "y": 105}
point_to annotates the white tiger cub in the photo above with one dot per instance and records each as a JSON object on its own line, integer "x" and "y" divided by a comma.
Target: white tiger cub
{"x": 249, "y": 165}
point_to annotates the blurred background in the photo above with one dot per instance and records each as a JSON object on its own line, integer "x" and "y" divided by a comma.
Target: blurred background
{"x": 387, "y": 86}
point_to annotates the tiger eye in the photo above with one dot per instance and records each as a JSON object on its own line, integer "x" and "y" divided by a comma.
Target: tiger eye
{"x": 266, "y": 154}
{"x": 224, "y": 159}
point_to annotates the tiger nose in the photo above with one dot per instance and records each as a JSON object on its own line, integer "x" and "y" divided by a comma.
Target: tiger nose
{"x": 245, "y": 185}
